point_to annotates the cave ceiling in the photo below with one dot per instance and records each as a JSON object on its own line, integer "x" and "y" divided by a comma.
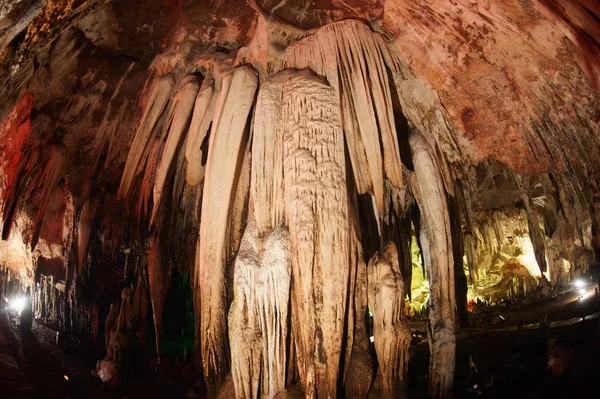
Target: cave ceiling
{"x": 127, "y": 123}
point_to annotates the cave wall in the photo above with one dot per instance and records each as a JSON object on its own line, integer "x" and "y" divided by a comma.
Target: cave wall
{"x": 270, "y": 150}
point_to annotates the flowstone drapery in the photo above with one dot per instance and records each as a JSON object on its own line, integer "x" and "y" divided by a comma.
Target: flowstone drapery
{"x": 244, "y": 161}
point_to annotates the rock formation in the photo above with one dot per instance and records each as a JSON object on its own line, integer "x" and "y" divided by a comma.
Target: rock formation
{"x": 390, "y": 331}
{"x": 261, "y": 174}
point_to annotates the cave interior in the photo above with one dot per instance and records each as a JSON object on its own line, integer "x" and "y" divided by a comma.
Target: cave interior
{"x": 166, "y": 169}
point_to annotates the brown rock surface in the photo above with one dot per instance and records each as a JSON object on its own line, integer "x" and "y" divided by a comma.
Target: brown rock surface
{"x": 158, "y": 138}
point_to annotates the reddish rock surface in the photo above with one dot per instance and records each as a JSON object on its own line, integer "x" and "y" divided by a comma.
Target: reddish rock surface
{"x": 496, "y": 102}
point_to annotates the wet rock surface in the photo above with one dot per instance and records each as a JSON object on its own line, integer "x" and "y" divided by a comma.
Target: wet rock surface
{"x": 201, "y": 184}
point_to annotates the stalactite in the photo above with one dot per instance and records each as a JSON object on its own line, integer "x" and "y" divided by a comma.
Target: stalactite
{"x": 460, "y": 279}
{"x": 404, "y": 244}
{"x": 267, "y": 155}
{"x": 86, "y": 224}
{"x": 306, "y": 181}
{"x": 145, "y": 137}
{"x": 228, "y": 140}
{"x": 239, "y": 207}
{"x": 390, "y": 331}
{"x": 468, "y": 233}
{"x": 201, "y": 120}
{"x": 14, "y": 130}
{"x": 175, "y": 130}
{"x": 535, "y": 231}
{"x": 125, "y": 311}
{"x": 349, "y": 55}
{"x": 38, "y": 168}
{"x": 498, "y": 231}
{"x": 179, "y": 199}
{"x": 140, "y": 308}
{"x": 316, "y": 212}
{"x": 52, "y": 173}
{"x": 424, "y": 110}
{"x": 158, "y": 281}
{"x": 573, "y": 207}
{"x": 436, "y": 242}
{"x": 106, "y": 136}
{"x": 145, "y": 188}
{"x": 398, "y": 228}
{"x": 258, "y": 319}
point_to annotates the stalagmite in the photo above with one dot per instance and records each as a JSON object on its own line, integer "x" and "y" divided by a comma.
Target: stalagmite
{"x": 258, "y": 153}
{"x": 390, "y": 332}
{"x": 360, "y": 368}
{"x": 228, "y": 140}
{"x": 177, "y": 124}
{"x": 398, "y": 229}
{"x": 316, "y": 212}
{"x": 358, "y": 365}
{"x": 436, "y": 242}
{"x": 111, "y": 326}
{"x": 156, "y": 103}
{"x": 258, "y": 319}
{"x": 201, "y": 120}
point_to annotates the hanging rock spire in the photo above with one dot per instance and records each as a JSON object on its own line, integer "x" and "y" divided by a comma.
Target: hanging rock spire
{"x": 436, "y": 243}
{"x": 228, "y": 140}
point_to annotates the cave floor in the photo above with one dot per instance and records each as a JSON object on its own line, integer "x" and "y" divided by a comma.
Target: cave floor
{"x": 33, "y": 366}
{"x": 514, "y": 363}
{"x": 510, "y": 363}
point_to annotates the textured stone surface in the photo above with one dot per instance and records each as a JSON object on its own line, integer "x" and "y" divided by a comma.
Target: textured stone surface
{"x": 145, "y": 140}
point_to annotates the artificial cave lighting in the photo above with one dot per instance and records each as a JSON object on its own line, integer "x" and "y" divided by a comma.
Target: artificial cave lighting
{"x": 320, "y": 199}
{"x": 17, "y": 304}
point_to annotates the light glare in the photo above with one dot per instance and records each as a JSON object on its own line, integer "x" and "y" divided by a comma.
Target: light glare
{"x": 17, "y": 303}
{"x": 578, "y": 283}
